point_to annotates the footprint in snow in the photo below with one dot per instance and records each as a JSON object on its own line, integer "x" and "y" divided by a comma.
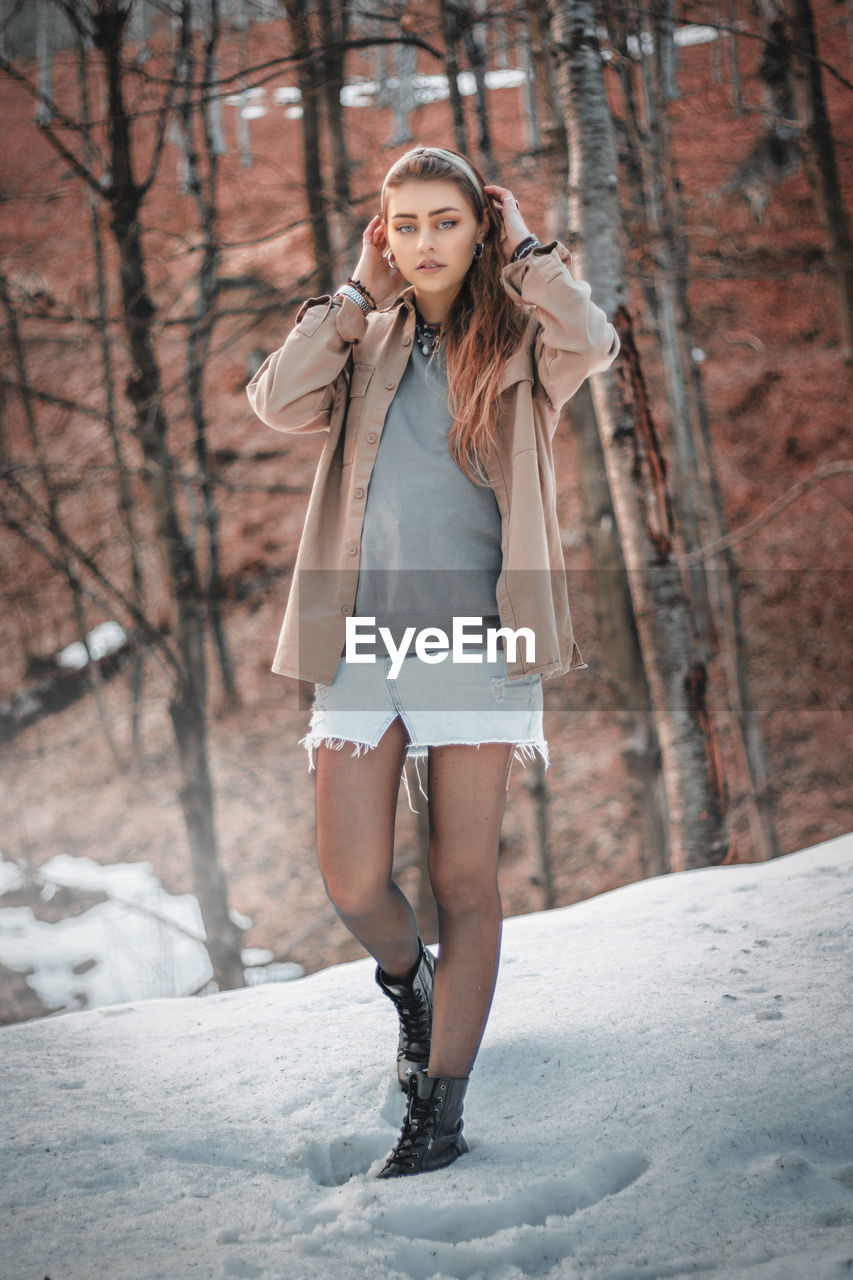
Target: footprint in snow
{"x": 331, "y": 1164}
{"x": 526, "y": 1230}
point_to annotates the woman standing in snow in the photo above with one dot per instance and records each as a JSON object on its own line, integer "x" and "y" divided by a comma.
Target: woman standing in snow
{"x": 433, "y": 502}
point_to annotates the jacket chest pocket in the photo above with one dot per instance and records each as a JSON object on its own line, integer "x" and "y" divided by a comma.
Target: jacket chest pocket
{"x": 356, "y": 408}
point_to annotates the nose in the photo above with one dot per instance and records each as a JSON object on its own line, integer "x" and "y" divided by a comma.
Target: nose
{"x": 426, "y": 240}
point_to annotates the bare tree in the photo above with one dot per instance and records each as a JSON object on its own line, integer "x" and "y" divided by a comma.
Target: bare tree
{"x": 334, "y": 27}
{"x": 52, "y": 502}
{"x": 619, "y": 641}
{"x": 203, "y": 189}
{"x": 819, "y": 151}
{"x": 450, "y": 32}
{"x": 475, "y": 52}
{"x": 776, "y": 152}
{"x": 123, "y": 193}
{"x": 636, "y": 468}
{"x": 310, "y": 82}
{"x": 553, "y": 126}
{"x": 715, "y": 588}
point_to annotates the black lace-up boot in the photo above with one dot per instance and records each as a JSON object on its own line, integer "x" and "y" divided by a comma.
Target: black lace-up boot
{"x": 431, "y": 1137}
{"x": 413, "y": 1000}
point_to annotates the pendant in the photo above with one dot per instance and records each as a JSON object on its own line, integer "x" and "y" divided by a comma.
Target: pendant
{"x": 426, "y": 339}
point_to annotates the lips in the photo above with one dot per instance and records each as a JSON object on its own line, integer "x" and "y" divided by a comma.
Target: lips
{"x": 430, "y": 266}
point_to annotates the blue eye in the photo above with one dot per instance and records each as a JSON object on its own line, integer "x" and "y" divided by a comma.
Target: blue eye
{"x": 403, "y": 227}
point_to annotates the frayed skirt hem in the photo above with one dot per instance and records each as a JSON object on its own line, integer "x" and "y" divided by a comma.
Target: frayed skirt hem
{"x": 523, "y": 752}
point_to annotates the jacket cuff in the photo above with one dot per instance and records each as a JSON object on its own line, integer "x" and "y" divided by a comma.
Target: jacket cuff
{"x": 548, "y": 261}
{"x": 349, "y": 319}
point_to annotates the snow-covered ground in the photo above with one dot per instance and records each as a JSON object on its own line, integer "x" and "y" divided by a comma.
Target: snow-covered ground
{"x": 140, "y": 943}
{"x": 664, "y": 1090}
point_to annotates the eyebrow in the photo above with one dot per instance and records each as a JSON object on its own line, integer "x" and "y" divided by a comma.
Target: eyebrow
{"x": 448, "y": 208}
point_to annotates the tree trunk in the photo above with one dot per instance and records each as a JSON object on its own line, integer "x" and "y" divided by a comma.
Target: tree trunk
{"x": 44, "y": 54}
{"x": 201, "y": 332}
{"x": 528, "y": 91}
{"x": 666, "y": 50}
{"x": 819, "y": 149}
{"x": 675, "y": 347}
{"x": 451, "y": 56}
{"x": 718, "y": 591}
{"x": 222, "y": 936}
{"x": 144, "y": 390}
{"x": 334, "y": 25}
{"x": 536, "y": 785}
{"x": 309, "y": 86}
{"x": 404, "y": 64}
{"x": 776, "y": 152}
{"x": 734, "y": 67}
{"x": 553, "y": 125}
{"x": 125, "y": 491}
{"x": 241, "y": 22}
{"x": 476, "y": 55}
{"x": 636, "y": 468}
{"x": 619, "y": 642}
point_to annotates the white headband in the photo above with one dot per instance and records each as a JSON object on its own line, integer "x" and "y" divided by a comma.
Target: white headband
{"x": 449, "y": 156}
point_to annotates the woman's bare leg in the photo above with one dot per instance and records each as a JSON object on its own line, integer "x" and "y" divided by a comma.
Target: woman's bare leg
{"x": 356, "y": 804}
{"x": 467, "y": 795}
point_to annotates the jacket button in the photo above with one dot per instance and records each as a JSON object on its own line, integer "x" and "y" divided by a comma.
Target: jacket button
{"x": 370, "y": 438}
{"x": 390, "y": 385}
{"x": 407, "y": 342}
{"x": 359, "y": 493}
{"x": 346, "y": 608}
{"x": 352, "y": 551}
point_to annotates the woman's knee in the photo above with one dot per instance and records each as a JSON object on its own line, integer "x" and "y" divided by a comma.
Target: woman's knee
{"x": 463, "y": 885}
{"x": 356, "y": 897}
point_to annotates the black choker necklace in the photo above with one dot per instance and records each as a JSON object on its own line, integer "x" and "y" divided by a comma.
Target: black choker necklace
{"x": 427, "y": 336}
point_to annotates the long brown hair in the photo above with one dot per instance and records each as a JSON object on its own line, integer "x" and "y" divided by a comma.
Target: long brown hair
{"x": 484, "y": 326}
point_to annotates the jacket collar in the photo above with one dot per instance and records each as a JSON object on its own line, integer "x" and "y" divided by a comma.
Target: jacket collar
{"x": 518, "y": 367}
{"x": 405, "y": 299}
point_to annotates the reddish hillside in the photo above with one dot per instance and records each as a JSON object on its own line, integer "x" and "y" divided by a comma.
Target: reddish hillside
{"x": 765, "y": 317}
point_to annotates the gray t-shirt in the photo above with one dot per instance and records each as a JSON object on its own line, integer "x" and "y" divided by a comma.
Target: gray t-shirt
{"x": 431, "y": 539}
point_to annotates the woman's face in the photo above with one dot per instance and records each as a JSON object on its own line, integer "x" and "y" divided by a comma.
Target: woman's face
{"x": 432, "y": 231}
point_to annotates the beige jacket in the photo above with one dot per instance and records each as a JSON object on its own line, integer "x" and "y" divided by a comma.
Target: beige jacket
{"x": 337, "y": 373}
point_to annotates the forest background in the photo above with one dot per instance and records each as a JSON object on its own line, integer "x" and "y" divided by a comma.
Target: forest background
{"x": 177, "y": 178}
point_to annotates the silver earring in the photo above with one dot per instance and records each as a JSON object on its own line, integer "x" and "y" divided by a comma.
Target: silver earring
{"x": 478, "y": 251}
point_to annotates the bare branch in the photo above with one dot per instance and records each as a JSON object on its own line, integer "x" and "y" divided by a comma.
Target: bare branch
{"x": 44, "y": 518}
{"x": 164, "y": 113}
{"x": 111, "y": 469}
{"x": 826, "y": 472}
{"x": 76, "y": 164}
{"x": 73, "y": 406}
{"x": 735, "y": 29}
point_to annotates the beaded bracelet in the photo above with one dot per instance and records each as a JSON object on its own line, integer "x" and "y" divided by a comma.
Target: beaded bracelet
{"x": 354, "y": 295}
{"x": 527, "y": 245}
{"x": 356, "y": 284}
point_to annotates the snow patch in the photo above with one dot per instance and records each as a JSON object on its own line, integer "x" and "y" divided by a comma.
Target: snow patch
{"x": 106, "y": 638}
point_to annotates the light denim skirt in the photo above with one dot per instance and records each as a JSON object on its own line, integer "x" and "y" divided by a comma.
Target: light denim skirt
{"x": 440, "y": 704}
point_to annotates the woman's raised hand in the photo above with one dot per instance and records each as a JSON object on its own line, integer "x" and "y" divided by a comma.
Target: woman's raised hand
{"x": 506, "y": 206}
{"x": 373, "y": 270}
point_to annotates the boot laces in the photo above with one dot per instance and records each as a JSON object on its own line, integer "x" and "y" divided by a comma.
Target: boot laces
{"x": 416, "y": 1132}
{"x": 413, "y": 1015}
